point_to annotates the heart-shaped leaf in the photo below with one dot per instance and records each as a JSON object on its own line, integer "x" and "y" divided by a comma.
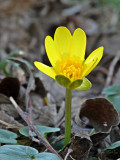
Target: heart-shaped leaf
{"x": 19, "y": 152}
{"x": 42, "y": 129}
{"x": 7, "y": 136}
{"x": 112, "y": 90}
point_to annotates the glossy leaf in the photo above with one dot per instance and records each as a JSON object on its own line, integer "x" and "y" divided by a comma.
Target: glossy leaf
{"x": 7, "y": 136}
{"x": 42, "y": 129}
{"x": 19, "y": 152}
{"x": 92, "y": 158}
{"x": 115, "y": 100}
{"x": 112, "y": 90}
{"x": 113, "y": 146}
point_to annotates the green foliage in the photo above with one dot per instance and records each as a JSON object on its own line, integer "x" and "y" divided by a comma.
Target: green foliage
{"x": 5, "y": 61}
{"x": 7, "y": 137}
{"x": 113, "y": 146}
{"x": 8, "y": 60}
{"x": 42, "y": 129}
{"x": 112, "y": 90}
{"x": 17, "y": 60}
{"x": 58, "y": 145}
{"x": 19, "y": 152}
{"x": 92, "y": 158}
{"x": 113, "y": 95}
{"x": 112, "y": 3}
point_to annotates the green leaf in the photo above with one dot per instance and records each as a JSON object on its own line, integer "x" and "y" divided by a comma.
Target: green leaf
{"x": 115, "y": 100}
{"x": 42, "y": 129}
{"x": 46, "y": 156}
{"x": 112, "y": 90}
{"x": 7, "y": 137}
{"x": 19, "y": 152}
{"x": 86, "y": 84}
{"x": 5, "y": 61}
{"x": 13, "y": 63}
{"x": 17, "y": 60}
{"x": 75, "y": 84}
{"x": 62, "y": 80}
{"x": 113, "y": 146}
{"x": 92, "y": 158}
{"x": 58, "y": 145}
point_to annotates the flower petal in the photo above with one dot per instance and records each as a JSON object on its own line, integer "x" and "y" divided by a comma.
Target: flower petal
{"x": 78, "y": 45}
{"x": 92, "y": 60}
{"x": 62, "y": 41}
{"x": 52, "y": 53}
{"x": 86, "y": 84}
{"x": 45, "y": 69}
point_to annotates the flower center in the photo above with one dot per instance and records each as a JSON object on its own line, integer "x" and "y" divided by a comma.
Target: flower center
{"x": 71, "y": 69}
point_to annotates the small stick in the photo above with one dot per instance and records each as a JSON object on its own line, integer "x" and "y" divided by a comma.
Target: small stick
{"x": 8, "y": 125}
{"x": 68, "y": 153}
{"x": 26, "y": 118}
{"x": 111, "y": 69}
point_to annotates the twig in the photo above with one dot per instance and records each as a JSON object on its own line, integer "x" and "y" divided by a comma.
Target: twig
{"x": 111, "y": 69}
{"x": 29, "y": 107}
{"x": 27, "y": 118}
{"x": 8, "y": 125}
{"x": 68, "y": 153}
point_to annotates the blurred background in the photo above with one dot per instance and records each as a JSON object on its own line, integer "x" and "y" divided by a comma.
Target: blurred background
{"x": 25, "y": 24}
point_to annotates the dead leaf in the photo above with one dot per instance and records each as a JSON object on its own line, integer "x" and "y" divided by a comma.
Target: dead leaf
{"x": 98, "y": 137}
{"x": 42, "y": 114}
{"x": 111, "y": 43}
{"x": 29, "y": 77}
{"x": 80, "y": 145}
{"x": 7, "y": 107}
{"x": 40, "y": 89}
{"x": 9, "y": 121}
{"x": 101, "y": 114}
{"x": 10, "y": 86}
{"x": 4, "y": 99}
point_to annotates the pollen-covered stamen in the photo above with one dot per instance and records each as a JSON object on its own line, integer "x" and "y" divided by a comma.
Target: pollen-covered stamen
{"x": 70, "y": 69}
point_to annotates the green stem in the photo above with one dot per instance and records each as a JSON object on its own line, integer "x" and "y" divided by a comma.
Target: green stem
{"x": 68, "y": 116}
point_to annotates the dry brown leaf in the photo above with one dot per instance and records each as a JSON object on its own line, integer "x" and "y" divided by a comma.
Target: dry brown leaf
{"x": 101, "y": 114}
{"x": 80, "y": 145}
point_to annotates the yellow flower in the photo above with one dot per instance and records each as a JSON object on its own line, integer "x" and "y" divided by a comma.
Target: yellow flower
{"x": 67, "y": 56}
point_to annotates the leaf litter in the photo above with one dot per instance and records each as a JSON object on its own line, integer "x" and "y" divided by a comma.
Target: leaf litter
{"x": 100, "y": 120}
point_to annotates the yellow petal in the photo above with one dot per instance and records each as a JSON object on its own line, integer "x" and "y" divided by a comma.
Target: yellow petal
{"x": 52, "y": 53}
{"x": 78, "y": 44}
{"x": 91, "y": 62}
{"x": 45, "y": 69}
{"x": 62, "y": 41}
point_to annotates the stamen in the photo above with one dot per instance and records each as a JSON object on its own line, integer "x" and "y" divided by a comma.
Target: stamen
{"x": 71, "y": 69}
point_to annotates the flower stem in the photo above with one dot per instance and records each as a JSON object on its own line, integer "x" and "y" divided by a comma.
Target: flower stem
{"x": 68, "y": 116}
